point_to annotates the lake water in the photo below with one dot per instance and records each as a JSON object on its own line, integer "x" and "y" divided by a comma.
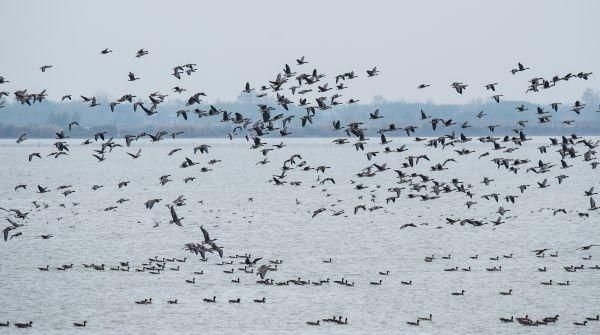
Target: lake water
{"x": 273, "y": 226}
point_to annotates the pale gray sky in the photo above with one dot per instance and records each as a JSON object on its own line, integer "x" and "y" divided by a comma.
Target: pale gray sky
{"x": 412, "y": 42}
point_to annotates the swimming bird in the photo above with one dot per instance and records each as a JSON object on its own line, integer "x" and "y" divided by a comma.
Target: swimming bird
{"x": 24, "y": 325}
{"x": 410, "y": 323}
{"x": 213, "y": 300}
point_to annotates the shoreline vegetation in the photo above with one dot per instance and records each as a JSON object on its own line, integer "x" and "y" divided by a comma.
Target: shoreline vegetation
{"x": 43, "y": 120}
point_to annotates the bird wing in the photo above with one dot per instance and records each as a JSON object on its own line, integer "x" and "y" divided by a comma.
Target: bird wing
{"x": 173, "y": 214}
{"x": 218, "y": 249}
{"x": 5, "y": 231}
{"x": 205, "y": 233}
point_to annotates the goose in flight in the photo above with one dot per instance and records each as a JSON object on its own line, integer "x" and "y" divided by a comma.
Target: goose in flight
{"x": 384, "y": 140}
{"x": 22, "y": 138}
{"x": 105, "y": 51}
{"x": 491, "y": 86}
{"x": 587, "y": 247}
{"x": 519, "y": 68}
{"x": 262, "y": 271}
{"x": 211, "y": 242}
{"x": 318, "y": 211}
{"x": 301, "y": 61}
{"x": 34, "y": 154}
{"x": 141, "y": 53}
{"x": 42, "y": 189}
{"x": 132, "y": 77}
{"x": 6, "y": 231}
{"x": 45, "y": 67}
{"x": 592, "y": 204}
{"x": 375, "y": 115}
{"x": 247, "y": 88}
{"x": 459, "y": 87}
{"x": 373, "y": 72}
{"x": 174, "y": 218}
{"x": 203, "y": 148}
{"x": 136, "y": 155}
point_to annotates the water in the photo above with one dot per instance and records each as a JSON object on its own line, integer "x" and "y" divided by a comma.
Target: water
{"x": 272, "y": 226}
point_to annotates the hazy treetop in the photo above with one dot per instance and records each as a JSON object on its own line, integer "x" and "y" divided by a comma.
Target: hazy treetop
{"x": 412, "y": 42}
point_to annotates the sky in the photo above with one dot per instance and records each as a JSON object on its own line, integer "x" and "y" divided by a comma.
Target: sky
{"x": 232, "y": 42}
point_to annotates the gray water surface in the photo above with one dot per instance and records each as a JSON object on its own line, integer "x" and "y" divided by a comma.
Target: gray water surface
{"x": 273, "y": 226}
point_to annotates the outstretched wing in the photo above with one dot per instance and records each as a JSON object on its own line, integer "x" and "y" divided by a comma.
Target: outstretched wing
{"x": 5, "y": 231}
{"x": 174, "y": 216}
{"x": 205, "y": 233}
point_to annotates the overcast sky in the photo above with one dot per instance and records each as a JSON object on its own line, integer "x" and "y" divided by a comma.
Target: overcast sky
{"x": 434, "y": 42}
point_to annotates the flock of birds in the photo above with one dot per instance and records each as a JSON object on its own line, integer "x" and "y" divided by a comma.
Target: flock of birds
{"x": 315, "y": 93}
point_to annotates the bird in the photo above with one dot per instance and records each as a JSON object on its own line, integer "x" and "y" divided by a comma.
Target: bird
{"x": 519, "y": 68}
{"x": 132, "y": 77}
{"x": 24, "y": 325}
{"x": 21, "y": 138}
{"x": 34, "y": 154}
{"x": 491, "y": 86}
{"x": 588, "y": 247}
{"x": 301, "y": 61}
{"x": 174, "y": 218}
{"x": 136, "y": 155}
{"x": 78, "y": 324}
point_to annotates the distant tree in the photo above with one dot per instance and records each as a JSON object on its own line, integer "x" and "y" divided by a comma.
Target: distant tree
{"x": 591, "y": 97}
{"x": 59, "y": 119}
{"x": 378, "y": 100}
